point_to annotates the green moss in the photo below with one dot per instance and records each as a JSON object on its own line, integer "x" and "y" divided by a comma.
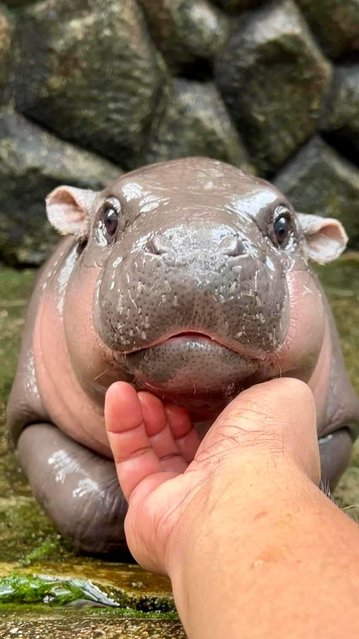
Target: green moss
{"x": 49, "y": 547}
{"x": 23, "y": 527}
{"x": 15, "y": 288}
{"x": 33, "y": 589}
{"x": 78, "y": 609}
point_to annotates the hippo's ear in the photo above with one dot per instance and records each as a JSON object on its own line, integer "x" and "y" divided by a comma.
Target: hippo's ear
{"x": 68, "y": 210}
{"x": 325, "y": 237}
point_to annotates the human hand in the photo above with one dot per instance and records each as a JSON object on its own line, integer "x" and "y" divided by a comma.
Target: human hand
{"x": 154, "y": 444}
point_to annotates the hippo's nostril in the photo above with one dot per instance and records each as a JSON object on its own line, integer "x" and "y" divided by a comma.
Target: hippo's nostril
{"x": 231, "y": 246}
{"x": 159, "y": 245}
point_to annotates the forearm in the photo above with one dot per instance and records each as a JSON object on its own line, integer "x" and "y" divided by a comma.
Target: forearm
{"x": 265, "y": 554}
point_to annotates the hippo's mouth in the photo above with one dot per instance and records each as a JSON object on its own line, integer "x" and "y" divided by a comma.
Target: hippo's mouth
{"x": 195, "y": 369}
{"x": 194, "y": 336}
{"x": 181, "y": 337}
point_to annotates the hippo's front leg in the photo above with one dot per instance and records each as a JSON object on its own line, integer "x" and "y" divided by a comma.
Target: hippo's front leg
{"x": 335, "y": 450}
{"x": 77, "y": 488}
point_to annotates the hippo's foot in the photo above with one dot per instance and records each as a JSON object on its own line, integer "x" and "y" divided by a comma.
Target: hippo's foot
{"x": 76, "y": 487}
{"x": 335, "y": 452}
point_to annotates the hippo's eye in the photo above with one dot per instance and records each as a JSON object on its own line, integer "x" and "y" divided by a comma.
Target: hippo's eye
{"x": 282, "y": 228}
{"x": 110, "y": 217}
{"x": 110, "y": 220}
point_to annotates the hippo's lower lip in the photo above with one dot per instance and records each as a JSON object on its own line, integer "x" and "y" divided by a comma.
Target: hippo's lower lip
{"x": 191, "y": 369}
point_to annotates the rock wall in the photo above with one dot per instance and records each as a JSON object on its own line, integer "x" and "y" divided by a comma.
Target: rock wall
{"x": 92, "y": 87}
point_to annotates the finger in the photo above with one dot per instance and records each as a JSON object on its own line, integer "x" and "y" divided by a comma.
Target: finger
{"x": 160, "y": 433}
{"x": 185, "y": 434}
{"x": 131, "y": 447}
{"x": 179, "y": 420}
{"x": 154, "y": 414}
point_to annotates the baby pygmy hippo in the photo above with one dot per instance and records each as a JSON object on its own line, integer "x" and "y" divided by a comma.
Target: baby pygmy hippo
{"x": 188, "y": 278}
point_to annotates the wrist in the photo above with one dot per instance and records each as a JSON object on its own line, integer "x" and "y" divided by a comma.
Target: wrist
{"x": 224, "y": 513}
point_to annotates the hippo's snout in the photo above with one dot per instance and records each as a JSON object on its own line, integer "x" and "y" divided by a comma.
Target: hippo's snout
{"x": 193, "y": 277}
{"x": 225, "y": 245}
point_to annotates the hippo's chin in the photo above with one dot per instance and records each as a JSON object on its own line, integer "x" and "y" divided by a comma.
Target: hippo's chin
{"x": 192, "y": 370}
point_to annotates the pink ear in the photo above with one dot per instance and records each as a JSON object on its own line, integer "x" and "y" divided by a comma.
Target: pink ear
{"x": 325, "y": 237}
{"x": 68, "y": 210}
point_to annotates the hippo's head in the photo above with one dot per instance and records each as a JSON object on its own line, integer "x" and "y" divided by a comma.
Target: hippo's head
{"x": 196, "y": 280}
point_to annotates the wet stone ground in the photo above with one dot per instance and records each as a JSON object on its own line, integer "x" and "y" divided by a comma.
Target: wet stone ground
{"x": 46, "y": 590}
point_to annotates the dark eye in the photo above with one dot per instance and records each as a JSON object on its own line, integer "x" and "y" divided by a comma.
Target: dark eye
{"x": 110, "y": 220}
{"x": 282, "y": 228}
{"x": 110, "y": 217}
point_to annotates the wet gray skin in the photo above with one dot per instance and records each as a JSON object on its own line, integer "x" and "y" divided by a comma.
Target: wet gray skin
{"x": 188, "y": 278}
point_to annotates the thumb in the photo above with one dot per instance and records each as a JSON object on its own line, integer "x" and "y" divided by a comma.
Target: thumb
{"x": 276, "y": 417}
